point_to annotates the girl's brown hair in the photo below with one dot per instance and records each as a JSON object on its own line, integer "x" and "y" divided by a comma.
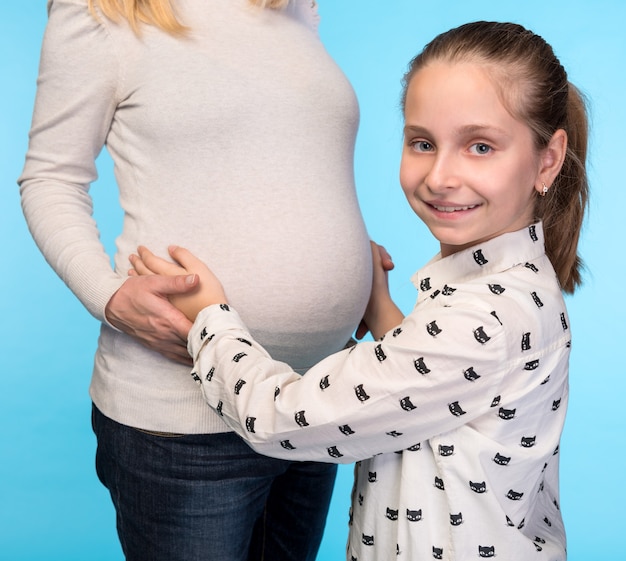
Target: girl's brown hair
{"x": 159, "y": 13}
{"x": 534, "y": 87}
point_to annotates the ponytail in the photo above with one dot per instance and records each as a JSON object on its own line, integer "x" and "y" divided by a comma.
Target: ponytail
{"x": 563, "y": 208}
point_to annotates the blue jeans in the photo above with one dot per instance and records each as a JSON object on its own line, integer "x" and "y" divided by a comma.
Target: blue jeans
{"x": 209, "y": 497}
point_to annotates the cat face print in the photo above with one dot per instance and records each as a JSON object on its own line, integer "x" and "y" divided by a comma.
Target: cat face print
{"x": 420, "y": 366}
{"x": 478, "y": 487}
{"x": 391, "y": 514}
{"x": 446, "y": 450}
{"x": 501, "y": 460}
{"x": 456, "y": 519}
{"x": 413, "y": 515}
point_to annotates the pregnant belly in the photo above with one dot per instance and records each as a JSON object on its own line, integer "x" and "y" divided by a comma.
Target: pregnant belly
{"x": 299, "y": 274}
{"x": 301, "y": 300}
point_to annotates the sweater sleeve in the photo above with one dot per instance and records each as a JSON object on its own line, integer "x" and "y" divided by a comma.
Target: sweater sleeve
{"x": 308, "y": 12}
{"x": 74, "y": 107}
{"x": 375, "y": 398}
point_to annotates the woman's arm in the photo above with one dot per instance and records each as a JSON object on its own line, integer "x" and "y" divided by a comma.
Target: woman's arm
{"x": 77, "y": 97}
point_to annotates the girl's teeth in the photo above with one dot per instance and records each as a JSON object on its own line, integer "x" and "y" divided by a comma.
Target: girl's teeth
{"x": 452, "y": 208}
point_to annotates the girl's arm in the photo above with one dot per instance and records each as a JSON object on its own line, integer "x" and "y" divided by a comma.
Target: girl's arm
{"x": 376, "y": 397}
{"x": 381, "y": 313}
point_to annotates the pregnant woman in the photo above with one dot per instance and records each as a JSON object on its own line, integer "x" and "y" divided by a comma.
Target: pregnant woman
{"x": 232, "y": 133}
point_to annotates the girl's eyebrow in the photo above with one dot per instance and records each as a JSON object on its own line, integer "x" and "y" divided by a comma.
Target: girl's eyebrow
{"x": 465, "y": 130}
{"x": 477, "y": 129}
{"x": 417, "y": 130}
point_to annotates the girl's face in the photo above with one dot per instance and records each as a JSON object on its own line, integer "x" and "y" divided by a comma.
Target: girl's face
{"x": 469, "y": 168}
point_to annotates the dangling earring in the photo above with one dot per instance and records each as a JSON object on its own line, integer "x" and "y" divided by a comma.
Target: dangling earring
{"x": 544, "y": 189}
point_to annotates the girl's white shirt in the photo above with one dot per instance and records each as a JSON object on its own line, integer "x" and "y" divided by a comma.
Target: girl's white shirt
{"x": 454, "y": 417}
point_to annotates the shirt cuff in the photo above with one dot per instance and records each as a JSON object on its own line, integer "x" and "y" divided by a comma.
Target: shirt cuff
{"x": 210, "y": 320}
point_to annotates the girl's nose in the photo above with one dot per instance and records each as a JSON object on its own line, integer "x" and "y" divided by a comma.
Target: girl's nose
{"x": 443, "y": 174}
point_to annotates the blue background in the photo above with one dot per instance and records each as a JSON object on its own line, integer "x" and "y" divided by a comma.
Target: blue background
{"x": 51, "y": 504}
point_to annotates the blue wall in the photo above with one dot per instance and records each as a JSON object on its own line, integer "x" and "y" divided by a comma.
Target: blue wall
{"x": 51, "y": 504}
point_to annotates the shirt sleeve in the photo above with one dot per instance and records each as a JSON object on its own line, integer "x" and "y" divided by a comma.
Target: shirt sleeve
{"x": 74, "y": 107}
{"x": 431, "y": 375}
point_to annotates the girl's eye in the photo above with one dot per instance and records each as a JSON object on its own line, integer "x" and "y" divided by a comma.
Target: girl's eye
{"x": 422, "y": 146}
{"x": 480, "y": 148}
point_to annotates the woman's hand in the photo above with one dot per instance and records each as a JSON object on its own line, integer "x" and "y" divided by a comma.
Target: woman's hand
{"x": 208, "y": 289}
{"x": 142, "y": 309}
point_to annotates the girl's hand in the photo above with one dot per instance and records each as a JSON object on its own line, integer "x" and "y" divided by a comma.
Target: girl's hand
{"x": 381, "y": 313}
{"x": 208, "y": 291}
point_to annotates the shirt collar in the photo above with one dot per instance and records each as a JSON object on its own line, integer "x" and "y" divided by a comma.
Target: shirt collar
{"x": 493, "y": 256}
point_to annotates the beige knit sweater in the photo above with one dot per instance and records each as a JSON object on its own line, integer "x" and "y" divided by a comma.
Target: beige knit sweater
{"x": 237, "y": 142}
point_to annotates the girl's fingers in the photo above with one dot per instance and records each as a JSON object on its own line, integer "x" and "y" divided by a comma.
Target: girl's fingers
{"x": 385, "y": 258}
{"x": 156, "y": 265}
{"x": 139, "y": 267}
{"x": 183, "y": 256}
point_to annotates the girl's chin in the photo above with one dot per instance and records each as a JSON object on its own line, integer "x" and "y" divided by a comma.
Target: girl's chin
{"x": 445, "y": 237}
{"x": 454, "y": 244}
{"x": 449, "y": 249}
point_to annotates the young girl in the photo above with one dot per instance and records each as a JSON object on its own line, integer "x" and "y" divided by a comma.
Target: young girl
{"x": 454, "y": 416}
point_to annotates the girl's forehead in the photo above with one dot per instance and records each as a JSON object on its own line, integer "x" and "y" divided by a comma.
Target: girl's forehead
{"x": 467, "y": 76}
{"x": 438, "y": 73}
{"x": 457, "y": 86}
{"x": 458, "y": 97}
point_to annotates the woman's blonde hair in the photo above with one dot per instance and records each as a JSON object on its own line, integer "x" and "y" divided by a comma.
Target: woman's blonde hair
{"x": 536, "y": 90}
{"x": 159, "y": 13}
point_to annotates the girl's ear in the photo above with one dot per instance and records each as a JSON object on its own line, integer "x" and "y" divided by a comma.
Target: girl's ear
{"x": 552, "y": 158}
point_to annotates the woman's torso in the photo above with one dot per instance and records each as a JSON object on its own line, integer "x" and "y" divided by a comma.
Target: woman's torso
{"x": 237, "y": 142}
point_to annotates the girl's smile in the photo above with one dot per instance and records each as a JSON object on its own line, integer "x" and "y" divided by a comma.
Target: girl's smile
{"x": 469, "y": 168}
{"x": 451, "y": 208}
